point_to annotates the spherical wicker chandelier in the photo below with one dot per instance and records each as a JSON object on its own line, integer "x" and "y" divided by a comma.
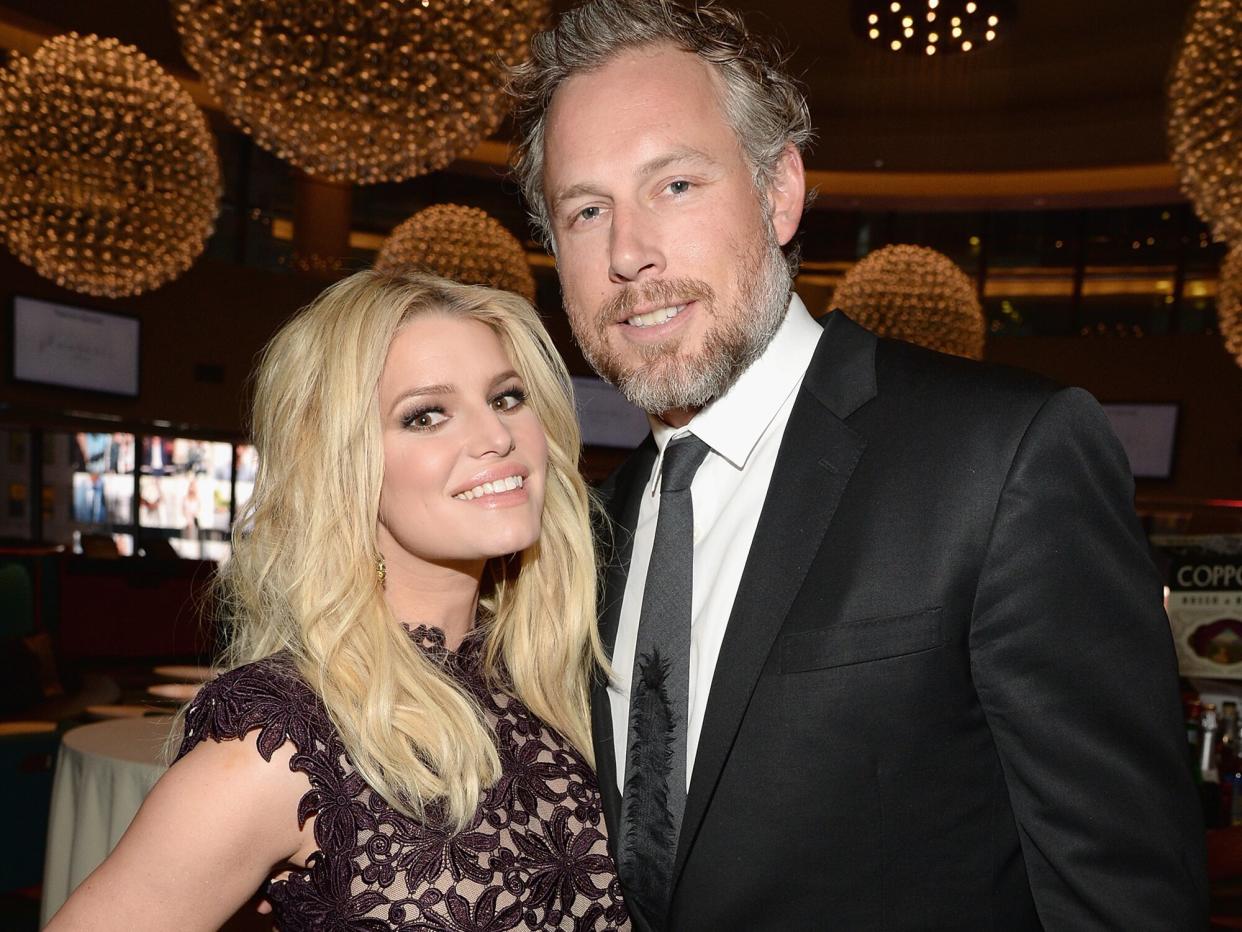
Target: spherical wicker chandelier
{"x": 1229, "y": 303}
{"x": 109, "y": 181}
{"x": 1205, "y": 115}
{"x": 360, "y": 90}
{"x": 462, "y": 243}
{"x": 914, "y": 294}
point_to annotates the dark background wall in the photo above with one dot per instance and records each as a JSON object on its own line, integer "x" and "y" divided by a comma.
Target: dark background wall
{"x": 200, "y": 335}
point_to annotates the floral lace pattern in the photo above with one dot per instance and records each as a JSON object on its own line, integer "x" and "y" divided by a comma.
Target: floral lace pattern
{"x": 534, "y": 857}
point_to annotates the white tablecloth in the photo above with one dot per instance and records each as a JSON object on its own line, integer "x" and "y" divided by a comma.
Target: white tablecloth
{"x": 103, "y": 774}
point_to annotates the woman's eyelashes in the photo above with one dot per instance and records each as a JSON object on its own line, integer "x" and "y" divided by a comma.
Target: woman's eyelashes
{"x": 510, "y": 398}
{"x": 429, "y": 417}
{"x": 424, "y": 418}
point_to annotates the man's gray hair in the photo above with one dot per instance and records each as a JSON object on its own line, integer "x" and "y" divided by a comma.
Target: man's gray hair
{"x": 762, "y": 102}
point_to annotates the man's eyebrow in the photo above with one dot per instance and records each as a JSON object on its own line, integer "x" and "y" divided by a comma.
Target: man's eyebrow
{"x": 648, "y": 168}
{"x": 582, "y": 189}
{"x": 680, "y": 154}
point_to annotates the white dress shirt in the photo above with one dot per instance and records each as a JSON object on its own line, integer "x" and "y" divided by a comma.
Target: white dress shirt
{"x": 744, "y": 429}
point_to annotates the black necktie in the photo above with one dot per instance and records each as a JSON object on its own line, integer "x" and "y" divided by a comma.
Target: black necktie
{"x": 654, "y": 796}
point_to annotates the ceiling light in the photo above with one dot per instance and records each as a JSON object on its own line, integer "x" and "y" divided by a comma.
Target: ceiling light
{"x": 109, "y": 179}
{"x": 1204, "y": 137}
{"x": 915, "y": 294}
{"x": 360, "y": 91}
{"x": 971, "y": 23}
{"x": 1229, "y": 303}
{"x": 465, "y": 244}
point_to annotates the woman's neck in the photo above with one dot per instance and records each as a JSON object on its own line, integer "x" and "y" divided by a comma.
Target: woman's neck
{"x": 444, "y": 596}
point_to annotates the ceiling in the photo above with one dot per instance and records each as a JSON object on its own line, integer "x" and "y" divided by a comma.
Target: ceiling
{"x": 1071, "y": 85}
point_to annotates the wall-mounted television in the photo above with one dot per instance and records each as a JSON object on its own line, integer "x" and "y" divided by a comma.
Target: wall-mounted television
{"x": 73, "y": 347}
{"x": 605, "y": 417}
{"x": 1148, "y": 431}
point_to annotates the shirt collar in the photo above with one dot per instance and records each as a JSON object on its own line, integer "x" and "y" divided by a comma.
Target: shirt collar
{"x": 733, "y": 424}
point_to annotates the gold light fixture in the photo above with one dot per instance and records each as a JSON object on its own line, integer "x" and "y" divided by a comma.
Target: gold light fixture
{"x": 914, "y": 294}
{"x": 109, "y": 181}
{"x": 932, "y": 27}
{"x": 462, "y": 243}
{"x": 360, "y": 90}
{"x": 1205, "y": 116}
{"x": 1229, "y": 303}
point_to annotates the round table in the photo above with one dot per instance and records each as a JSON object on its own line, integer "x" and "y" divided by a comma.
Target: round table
{"x": 103, "y": 773}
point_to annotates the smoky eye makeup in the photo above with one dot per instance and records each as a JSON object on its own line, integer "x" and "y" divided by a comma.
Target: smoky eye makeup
{"x": 507, "y": 399}
{"x": 423, "y": 417}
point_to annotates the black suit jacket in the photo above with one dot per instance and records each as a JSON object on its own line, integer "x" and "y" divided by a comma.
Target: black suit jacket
{"x": 946, "y": 697}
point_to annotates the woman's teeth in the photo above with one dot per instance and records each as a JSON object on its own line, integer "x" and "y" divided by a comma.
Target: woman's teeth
{"x": 491, "y": 488}
{"x": 656, "y": 317}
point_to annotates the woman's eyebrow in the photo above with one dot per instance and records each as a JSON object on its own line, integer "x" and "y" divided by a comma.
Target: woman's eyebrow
{"x": 422, "y": 390}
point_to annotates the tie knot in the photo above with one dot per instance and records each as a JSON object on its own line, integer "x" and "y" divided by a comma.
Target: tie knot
{"x": 682, "y": 458}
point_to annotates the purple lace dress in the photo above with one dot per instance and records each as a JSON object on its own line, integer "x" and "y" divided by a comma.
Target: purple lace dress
{"x": 534, "y": 857}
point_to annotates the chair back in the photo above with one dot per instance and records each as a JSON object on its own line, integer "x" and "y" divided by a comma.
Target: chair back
{"x": 17, "y": 613}
{"x": 27, "y": 760}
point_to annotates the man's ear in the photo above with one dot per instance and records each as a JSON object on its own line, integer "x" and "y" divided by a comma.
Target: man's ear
{"x": 787, "y": 194}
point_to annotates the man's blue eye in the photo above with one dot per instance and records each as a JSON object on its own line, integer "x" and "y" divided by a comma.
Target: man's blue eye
{"x": 588, "y": 213}
{"x": 679, "y": 187}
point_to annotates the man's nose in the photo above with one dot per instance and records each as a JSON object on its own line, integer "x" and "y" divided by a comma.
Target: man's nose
{"x": 635, "y": 248}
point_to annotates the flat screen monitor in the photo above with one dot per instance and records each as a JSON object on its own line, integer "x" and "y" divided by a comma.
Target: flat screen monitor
{"x": 606, "y": 418}
{"x": 72, "y": 347}
{"x": 1148, "y": 432}
{"x": 185, "y": 494}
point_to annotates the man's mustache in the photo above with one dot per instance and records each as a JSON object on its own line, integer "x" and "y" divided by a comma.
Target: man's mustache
{"x": 662, "y": 292}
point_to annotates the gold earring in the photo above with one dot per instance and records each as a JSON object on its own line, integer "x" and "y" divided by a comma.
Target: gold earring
{"x": 381, "y": 570}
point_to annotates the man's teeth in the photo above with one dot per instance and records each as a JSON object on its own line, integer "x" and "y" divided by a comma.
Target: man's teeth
{"x": 491, "y": 488}
{"x": 655, "y": 317}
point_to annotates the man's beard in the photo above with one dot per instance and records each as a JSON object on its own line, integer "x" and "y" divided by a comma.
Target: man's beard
{"x": 666, "y": 379}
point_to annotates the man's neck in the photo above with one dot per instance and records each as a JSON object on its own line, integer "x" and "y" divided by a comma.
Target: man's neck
{"x": 678, "y": 417}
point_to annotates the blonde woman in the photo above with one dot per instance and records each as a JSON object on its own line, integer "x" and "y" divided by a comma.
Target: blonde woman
{"x": 402, "y": 740}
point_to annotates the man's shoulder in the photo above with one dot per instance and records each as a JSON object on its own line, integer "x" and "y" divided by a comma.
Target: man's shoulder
{"x": 928, "y": 380}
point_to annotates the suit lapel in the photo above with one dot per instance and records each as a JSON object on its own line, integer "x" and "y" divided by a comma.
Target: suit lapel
{"x": 817, "y": 455}
{"x": 623, "y": 495}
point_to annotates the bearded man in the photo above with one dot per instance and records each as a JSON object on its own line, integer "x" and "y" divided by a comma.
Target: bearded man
{"x": 888, "y": 649}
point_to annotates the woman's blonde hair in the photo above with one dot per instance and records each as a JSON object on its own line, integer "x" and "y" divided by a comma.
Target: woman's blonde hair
{"x": 302, "y": 577}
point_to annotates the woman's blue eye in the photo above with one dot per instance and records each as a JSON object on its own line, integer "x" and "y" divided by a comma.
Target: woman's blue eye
{"x": 679, "y": 187}
{"x": 588, "y": 213}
